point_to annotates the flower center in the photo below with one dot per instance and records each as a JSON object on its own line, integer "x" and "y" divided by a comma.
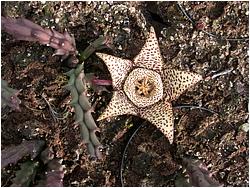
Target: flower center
{"x": 143, "y": 87}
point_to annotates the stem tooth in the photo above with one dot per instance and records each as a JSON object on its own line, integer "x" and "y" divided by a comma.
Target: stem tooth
{"x": 69, "y": 73}
{"x": 72, "y": 79}
{"x": 79, "y": 69}
{"x": 74, "y": 95}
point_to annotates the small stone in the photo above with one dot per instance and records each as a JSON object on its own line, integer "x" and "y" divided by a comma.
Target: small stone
{"x": 244, "y": 127}
{"x": 57, "y": 20}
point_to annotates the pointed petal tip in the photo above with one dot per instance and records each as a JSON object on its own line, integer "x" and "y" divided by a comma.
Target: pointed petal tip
{"x": 197, "y": 78}
{"x": 161, "y": 115}
{"x": 171, "y": 138}
{"x": 168, "y": 133}
{"x": 150, "y": 56}
{"x": 177, "y": 82}
{"x": 100, "y": 55}
{"x": 102, "y": 117}
{"x": 152, "y": 30}
{"x": 105, "y": 57}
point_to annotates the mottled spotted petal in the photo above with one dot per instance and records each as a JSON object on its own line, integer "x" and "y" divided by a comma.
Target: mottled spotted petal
{"x": 117, "y": 67}
{"x": 160, "y": 115}
{"x": 119, "y": 105}
{"x": 176, "y": 82}
{"x": 150, "y": 55}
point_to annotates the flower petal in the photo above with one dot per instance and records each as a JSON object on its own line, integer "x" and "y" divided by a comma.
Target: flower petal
{"x": 160, "y": 115}
{"x": 117, "y": 67}
{"x": 176, "y": 82}
{"x": 150, "y": 55}
{"x": 119, "y": 105}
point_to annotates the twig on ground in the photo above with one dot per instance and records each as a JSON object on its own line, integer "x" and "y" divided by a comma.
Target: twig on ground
{"x": 187, "y": 15}
{"x": 55, "y": 115}
{"x": 219, "y": 74}
{"x": 196, "y": 107}
{"x": 125, "y": 150}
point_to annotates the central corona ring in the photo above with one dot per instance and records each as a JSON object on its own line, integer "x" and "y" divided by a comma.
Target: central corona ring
{"x": 143, "y": 87}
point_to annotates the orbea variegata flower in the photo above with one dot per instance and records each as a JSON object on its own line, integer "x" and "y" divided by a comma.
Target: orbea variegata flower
{"x": 143, "y": 88}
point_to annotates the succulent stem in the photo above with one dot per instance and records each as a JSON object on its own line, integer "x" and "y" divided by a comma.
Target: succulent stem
{"x": 83, "y": 117}
{"x": 80, "y": 102}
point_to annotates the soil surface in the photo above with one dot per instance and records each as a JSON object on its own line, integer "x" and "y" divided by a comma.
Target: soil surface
{"x": 219, "y": 140}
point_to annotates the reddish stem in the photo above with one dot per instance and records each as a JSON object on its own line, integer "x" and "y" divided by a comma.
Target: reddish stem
{"x": 101, "y": 82}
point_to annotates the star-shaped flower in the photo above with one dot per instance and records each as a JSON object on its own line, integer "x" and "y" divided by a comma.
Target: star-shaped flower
{"x": 144, "y": 89}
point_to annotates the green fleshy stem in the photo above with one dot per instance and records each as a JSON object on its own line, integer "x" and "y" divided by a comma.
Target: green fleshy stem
{"x": 9, "y": 96}
{"x": 79, "y": 113}
{"x": 80, "y": 102}
{"x": 83, "y": 117}
{"x": 91, "y": 150}
{"x": 94, "y": 139}
{"x": 72, "y": 78}
{"x": 26, "y": 174}
{"x": 94, "y": 151}
{"x": 84, "y": 132}
{"x": 90, "y": 122}
{"x": 80, "y": 82}
{"x": 84, "y": 102}
{"x": 74, "y": 94}
{"x": 98, "y": 44}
